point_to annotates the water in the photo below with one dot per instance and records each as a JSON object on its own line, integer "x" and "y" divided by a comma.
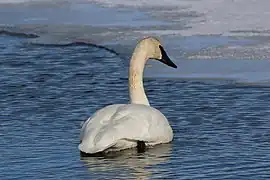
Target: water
{"x": 75, "y": 61}
{"x": 221, "y": 130}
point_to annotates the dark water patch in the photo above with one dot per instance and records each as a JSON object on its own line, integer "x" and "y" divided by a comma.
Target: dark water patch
{"x": 18, "y": 34}
{"x": 253, "y": 85}
{"x": 78, "y": 43}
{"x": 59, "y": 44}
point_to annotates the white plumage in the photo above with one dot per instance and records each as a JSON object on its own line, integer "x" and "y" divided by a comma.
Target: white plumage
{"x": 121, "y": 126}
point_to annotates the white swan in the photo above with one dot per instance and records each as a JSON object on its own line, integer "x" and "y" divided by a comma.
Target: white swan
{"x": 121, "y": 126}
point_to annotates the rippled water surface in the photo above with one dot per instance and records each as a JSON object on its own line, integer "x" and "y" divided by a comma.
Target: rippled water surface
{"x": 222, "y": 130}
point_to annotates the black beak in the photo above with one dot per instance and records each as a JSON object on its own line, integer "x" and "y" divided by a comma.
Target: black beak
{"x": 165, "y": 58}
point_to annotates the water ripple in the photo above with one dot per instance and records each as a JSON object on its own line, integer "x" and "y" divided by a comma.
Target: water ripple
{"x": 220, "y": 131}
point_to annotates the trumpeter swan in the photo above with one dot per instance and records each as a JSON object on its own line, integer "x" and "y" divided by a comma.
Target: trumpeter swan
{"x": 121, "y": 126}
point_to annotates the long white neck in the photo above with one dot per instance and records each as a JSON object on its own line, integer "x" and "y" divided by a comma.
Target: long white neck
{"x": 136, "y": 89}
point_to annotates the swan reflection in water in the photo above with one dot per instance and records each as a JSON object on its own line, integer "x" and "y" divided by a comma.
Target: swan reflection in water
{"x": 128, "y": 164}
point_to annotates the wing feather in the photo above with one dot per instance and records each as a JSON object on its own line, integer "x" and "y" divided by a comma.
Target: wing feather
{"x": 132, "y": 122}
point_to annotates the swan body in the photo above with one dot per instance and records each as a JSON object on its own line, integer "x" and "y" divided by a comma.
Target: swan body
{"x": 122, "y": 126}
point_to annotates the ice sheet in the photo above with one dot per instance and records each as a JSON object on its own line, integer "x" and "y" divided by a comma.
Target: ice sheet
{"x": 208, "y": 16}
{"x": 201, "y": 17}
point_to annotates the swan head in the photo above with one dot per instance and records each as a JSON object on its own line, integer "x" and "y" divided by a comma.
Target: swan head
{"x": 155, "y": 50}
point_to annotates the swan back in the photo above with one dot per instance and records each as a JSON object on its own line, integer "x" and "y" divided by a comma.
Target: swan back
{"x": 123, "y": 126}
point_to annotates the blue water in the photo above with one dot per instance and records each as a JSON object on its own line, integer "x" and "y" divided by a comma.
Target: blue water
{"x": 221, "y": 130}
